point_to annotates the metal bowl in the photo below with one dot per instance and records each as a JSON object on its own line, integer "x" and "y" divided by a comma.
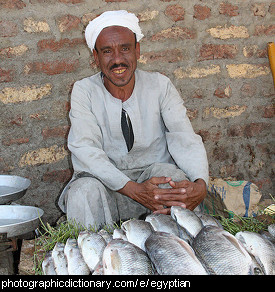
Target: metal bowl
{"x": 17, "y": 220}
{"x": 12, "y": 188}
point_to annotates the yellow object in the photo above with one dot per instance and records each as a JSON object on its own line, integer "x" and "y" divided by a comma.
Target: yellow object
{"x": 270, "y": 209}
{"x": 271, "y": 56}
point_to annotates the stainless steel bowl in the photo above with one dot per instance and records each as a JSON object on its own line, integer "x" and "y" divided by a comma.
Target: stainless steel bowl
{"x": 12, "y": 187}
{"x": 17, "y": 220}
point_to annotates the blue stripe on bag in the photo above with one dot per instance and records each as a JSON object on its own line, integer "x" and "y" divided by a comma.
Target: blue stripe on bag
{"x": 246, "y": 197}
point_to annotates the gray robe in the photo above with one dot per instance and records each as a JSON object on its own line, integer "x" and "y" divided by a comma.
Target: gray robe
{"x": 162, "y": 132}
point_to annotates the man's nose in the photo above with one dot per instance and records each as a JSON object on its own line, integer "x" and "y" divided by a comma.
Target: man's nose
{"x": 117, "y": 56}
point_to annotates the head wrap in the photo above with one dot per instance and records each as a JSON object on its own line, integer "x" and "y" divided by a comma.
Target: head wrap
{"x": 111, "y": 18}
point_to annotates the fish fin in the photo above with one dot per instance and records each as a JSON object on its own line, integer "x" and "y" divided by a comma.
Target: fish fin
{"x": 183, "y": 236}
{"x": 236, "y": 243}
{"x": 115, "y": 259}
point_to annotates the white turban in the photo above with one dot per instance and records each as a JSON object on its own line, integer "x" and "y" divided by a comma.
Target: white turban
{"x": 111, "y": 18}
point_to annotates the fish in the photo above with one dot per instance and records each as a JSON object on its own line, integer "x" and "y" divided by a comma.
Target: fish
{"x": 271, "y": 229}
{"x": 207, "y": 219}
{"x": 172, "y": 255}
{"x": 91, "y": 247}
{"x": 165, "y": 223}
{"x": 81, "y": 236}
{"x": 261, "y": 248}
{"x": 119, "y": 234}
{"x": 221, "y": 253}
{"x": 106, "y": 235}
{"x": 187, "y": 219}
{"x": 137, "y": 231}
{"x": 122, "y": 257}
{"x": 98, "y": 270}
{"x": 59, "y": 259}
{"x": 48, "y": 265}
{"x": 75, "y": 261}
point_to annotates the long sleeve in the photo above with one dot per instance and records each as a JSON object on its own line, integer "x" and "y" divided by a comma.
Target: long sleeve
{"x": 85, "y": 142}
{"x": 184, "y": 145}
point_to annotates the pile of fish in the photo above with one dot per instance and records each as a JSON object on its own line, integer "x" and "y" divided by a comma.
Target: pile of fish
{"x": 185, "y": 243}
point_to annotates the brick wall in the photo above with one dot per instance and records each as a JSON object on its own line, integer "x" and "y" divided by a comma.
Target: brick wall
{"x": 215, "y": 52}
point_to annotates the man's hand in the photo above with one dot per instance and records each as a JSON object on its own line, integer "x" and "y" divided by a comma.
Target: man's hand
{"x": 146, "y": 193}
{"x": 184, "y": 193}
{"x": 190, "y": 196}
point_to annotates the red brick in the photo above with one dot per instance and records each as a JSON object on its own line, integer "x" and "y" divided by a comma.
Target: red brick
{"x": 228, "y": 9}
{"x": 262, "y": 183}
{"x": 213, "y": 135}
{"x": 220, "y": 153}
{"x": 211, "y": 52}
{"x": 8, "y": 29}
{"x": 271, "y": 9}
{"x": 268, "y": 30}
{"x": 60, "y": 176}
{"x": 223, "y": 92}
{"x": 116, "y": 1}
{"x": 254, "y": 51}
{"x": 169, "y": 56}
{"x": 71, "y": 1}
{"x": 53, "y": 45}
{"x": 201, "y": 12}
{"x": 268, "y": 111}
{"x": 266, "y": 149}
{"x": 18, "y": 121}
{"x": 175, "y": 12}
{"x": 54, "y": 67}
{"x": 6, "y": 75}
{"x": 12, "y": 4}
{"x": 61, "y": 131}
{"x": 68, "y": 22}
{"x": 176, "y": 32}
{"x": 248, "y": 89}
{"x": 8, "y": 142}
{"x": 248, "y": 131}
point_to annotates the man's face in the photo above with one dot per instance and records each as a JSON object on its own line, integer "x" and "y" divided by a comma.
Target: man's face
{"x": 117, "y": 54}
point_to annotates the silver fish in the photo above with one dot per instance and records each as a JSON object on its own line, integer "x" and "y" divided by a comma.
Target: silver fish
{"x": 187, "y": 219}
{"x": 121, "y": 257}
{"x": 59, "y": 259}
{"x": 271, "y": 230}
{"x": 98, "y": 271}
{"x": 137, "y": 231}
{"x": 262, "y": 249}
{"x": 91, "y": 247}
{"x": 207, "y": 219}
{"x": 106, "y": 235}
{"x": 165, "y": 223}
{"x": 119, "y": 234}
{"x": 172, "y": 255}
{"x": 221, "y": 253}
{"x": 81, "y": 236}
{"x": 76, "y": 263}
{"x": 48, "y": 265}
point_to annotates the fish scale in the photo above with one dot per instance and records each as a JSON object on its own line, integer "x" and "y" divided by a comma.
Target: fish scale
{"x": 121, "y": 257}
{"x": 172, "y": 255}
{"x": 262, "y": 249}
{"x": 221, "y": 253}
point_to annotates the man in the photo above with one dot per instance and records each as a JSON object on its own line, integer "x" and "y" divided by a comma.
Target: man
{"x": 133, "y": 148}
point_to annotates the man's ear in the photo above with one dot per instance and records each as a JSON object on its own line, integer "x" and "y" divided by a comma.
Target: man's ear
{"x": 137, "y": 50}
{"x": 96, "y": 57}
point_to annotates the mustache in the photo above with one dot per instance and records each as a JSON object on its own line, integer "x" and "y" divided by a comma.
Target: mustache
{"x": 118, "y": 65}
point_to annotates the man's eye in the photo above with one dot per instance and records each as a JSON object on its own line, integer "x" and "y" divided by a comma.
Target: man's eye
{"x": 106, "y": 51}
{"x": 125, "y": 49}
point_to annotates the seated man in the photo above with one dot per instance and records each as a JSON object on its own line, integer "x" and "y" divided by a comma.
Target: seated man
{"x": 132, "y": 146}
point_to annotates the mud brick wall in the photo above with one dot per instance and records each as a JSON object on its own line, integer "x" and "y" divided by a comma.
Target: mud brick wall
{"x": 215, "y": 52}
